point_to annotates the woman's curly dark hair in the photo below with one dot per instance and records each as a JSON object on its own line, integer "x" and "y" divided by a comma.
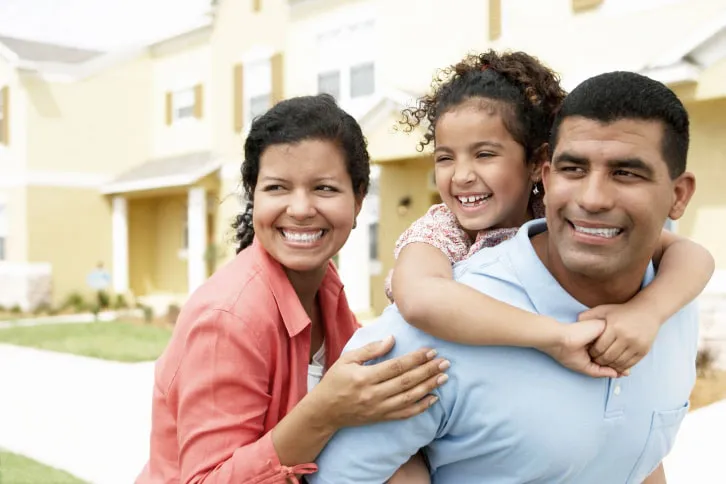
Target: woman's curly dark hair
{"x": 292, "y": 121}
{"x": 529, "y": 91}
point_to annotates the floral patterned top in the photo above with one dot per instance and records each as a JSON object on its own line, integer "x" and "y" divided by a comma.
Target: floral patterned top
{"x": 440, "y": 228}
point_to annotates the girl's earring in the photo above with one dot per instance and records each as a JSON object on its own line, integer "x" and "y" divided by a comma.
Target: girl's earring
{"x": 535, "y": 190}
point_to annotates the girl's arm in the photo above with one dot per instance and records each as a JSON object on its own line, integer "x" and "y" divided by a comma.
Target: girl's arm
{"x": 429, "y": 298}
{"x": 683, "y": 270}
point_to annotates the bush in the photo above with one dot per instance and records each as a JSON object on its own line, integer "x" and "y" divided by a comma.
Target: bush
{"x": 43, "y": 308}
{"x": 75, "y": 301}
{"x": 15, "y": 310}
{"x": 104, "y": 300}
{"x": 148, "y": 314}
{"x": 705, "y": 360}
{"x": 120, "y": 302}
{"x": 172, "y": 313}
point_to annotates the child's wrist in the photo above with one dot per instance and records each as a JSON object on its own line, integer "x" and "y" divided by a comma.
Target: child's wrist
{"x": 550, "y": 335}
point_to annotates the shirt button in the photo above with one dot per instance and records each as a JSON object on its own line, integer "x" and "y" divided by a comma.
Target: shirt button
{"x": 616, "y": 390}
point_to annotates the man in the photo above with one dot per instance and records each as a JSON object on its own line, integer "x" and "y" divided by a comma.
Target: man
{"x": 512, "y": 415}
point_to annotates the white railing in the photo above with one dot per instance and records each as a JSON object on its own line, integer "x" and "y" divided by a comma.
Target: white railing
{"x": 26, "y": 285}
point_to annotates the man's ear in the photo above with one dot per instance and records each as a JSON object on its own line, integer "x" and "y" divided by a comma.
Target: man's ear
{"x": 683, "y": 189}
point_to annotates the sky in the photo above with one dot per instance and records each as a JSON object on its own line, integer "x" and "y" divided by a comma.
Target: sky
{"x": 99, "y": 24}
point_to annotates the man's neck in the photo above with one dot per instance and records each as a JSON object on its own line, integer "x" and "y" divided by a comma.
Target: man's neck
{"x": 588, "y": 291}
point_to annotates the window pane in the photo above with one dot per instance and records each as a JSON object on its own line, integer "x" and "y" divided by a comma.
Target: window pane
{"x": 373, "y": 241}
{"x": 329, "y": 83}
{"x": 362, "y": 80}
{"x": 184, "y": 104}
{"x": 259, "y": 105}
{"x": 258, "y": 78}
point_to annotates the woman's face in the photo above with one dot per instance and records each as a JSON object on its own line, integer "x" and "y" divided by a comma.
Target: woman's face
{"x": 304, "y": 203}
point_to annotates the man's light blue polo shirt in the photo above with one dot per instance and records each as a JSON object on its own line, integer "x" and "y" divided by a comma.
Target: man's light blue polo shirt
{"x": 513, "y": 415}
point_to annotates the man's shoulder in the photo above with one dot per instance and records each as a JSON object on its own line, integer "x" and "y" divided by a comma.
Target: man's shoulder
{"x": 391, "y": 323}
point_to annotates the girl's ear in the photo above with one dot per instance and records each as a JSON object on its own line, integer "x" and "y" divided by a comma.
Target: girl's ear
{"x": 540, "y": 156}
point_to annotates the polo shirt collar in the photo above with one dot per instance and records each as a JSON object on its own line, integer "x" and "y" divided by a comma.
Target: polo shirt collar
{"x": 546, "y": 294}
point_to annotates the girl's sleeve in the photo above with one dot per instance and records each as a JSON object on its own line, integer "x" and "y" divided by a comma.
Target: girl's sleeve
{"x": 438, "y": 228}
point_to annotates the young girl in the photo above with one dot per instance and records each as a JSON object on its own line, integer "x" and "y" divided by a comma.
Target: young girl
{"x": 238, "y": 394}
{"x": 489, "y": 117}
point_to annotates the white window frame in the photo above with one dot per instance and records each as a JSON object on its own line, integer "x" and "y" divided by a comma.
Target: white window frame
{"x": 3, "y": 142}
{"x": 256, "y": 82}
{"x": 179, "y": 101}
{"x": 341, "y": 50}
{"x": 3, "y": 231}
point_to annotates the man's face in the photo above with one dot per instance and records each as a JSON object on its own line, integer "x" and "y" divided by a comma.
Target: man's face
{"x": 608, "y": 193}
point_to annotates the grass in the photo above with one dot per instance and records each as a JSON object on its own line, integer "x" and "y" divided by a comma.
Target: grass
{"x": 709, "y": 388}
{"x": 116, "y": 341}
{"x": 16, "y": 469}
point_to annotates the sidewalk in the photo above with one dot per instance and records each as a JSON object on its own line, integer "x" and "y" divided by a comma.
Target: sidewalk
{"x": 89, "y": 417}
{"x": 92, "y": 418}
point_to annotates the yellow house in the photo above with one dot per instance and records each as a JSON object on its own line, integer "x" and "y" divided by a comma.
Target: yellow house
{"x": 68, "y": 123}
{"x": 133, "y": 158}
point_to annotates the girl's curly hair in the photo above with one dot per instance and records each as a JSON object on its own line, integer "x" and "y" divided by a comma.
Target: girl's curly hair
{"x": 528, "y": 93}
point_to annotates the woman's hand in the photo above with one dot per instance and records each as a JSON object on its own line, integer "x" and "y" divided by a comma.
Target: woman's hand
{"x": 352, "y": 394}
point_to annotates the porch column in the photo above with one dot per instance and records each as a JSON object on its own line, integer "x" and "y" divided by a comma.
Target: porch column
{"x": 355, "y": 266}
{"x": 197, "y": 236}
{"x": 120, "y": 245}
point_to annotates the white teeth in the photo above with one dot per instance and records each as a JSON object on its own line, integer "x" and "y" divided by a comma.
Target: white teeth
{"x": 599, "y": 232}
{"x": 472, "y": 200}
{"x": 302, "y": 237}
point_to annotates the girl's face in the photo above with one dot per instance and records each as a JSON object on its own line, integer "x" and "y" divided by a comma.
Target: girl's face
{"x": 304, "y": 204}
{"x": 481, "y": 171}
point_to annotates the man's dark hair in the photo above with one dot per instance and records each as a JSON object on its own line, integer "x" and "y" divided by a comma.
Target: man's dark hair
{"x": 615, "y": 96}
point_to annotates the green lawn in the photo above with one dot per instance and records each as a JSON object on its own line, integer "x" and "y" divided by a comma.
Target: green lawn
{"x": 117, "y": 341}
{"x": 16, "y": 469}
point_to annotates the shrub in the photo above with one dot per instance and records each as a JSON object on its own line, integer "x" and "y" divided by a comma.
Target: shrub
{"x": 75, "y": 301}
{"x": 705, "y": 360}
{"x": 172, "y": 313}
{"x": 120, "y": 302}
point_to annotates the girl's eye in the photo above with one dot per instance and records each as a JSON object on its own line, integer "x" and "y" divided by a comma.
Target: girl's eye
{"x": 442, "y": 159}
{"x": 484, "y": 155}
{"x": 326, "y": 188}
{"x": 272, "y": 188}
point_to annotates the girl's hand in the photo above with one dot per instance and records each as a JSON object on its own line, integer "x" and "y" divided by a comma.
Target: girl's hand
{"x": 352, "y": 394}
{"x": 571, "y": 348}
{"x": 628, "y": 336}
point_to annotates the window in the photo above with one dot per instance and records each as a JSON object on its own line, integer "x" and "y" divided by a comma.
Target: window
{"x": 362, "y": 80}
{"x": 3, "y": 232}
{"x": 329, "y": 82}
{"x": 258, "y": 88}
{"x": 346, "y": 67}
{"x": 183, "y": 104}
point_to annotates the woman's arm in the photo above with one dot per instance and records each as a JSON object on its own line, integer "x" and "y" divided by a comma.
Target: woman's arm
{"x": 219, "y": 398}
{"x": 431, "y": 300}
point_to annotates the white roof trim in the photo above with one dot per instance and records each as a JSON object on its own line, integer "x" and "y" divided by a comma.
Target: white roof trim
{"x": 183, "y": 179}
{"x": 61, "y": 72}
{"x": 698, "y": 38}
{"x": 683, "y": 71}
{"x": 390, "y": 100}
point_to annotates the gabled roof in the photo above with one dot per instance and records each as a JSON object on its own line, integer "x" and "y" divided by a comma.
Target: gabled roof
{"x": 173, "y": 171}
{"x": 695, "y": 53}
{"x": 32, "y": 51}
{"x": 63, "y": 63}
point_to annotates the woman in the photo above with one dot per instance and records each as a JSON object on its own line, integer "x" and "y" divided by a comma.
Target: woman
{"x": 236, "y": 396}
